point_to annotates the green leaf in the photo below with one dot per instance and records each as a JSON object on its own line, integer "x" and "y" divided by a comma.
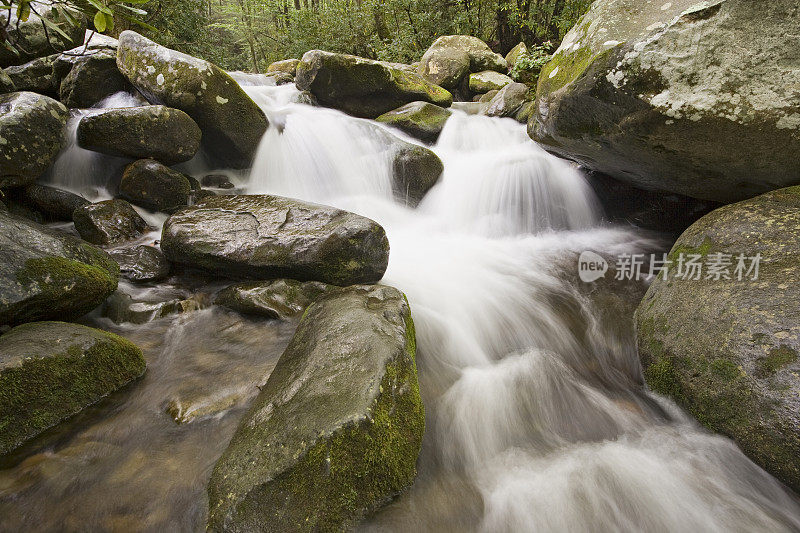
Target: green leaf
{"x": 138, "y": 22}
{"x": 133, "y": 9}
{"x": 24, "y": 10}
{"x": 109, "y": 21}
{"x": 100, "y": 7}
{"x": 56, "y": 29}
{"x": 100, "y": 21}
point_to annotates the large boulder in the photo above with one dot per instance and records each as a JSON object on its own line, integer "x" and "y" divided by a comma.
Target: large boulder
{"x": 419, "y": 119}
{"x": 231, "y": 122}
{"x": 451, "y": 57}
{"x": 508, "y": 101}
{"x": 287, "y": 66}
{"x": 149, "y": 184}
{"x": 34, "y": 40}
{"x": 416, "y": 169}
{"x": 488, "y": 80}
{"x": 363, "y": 87}
{"x": 36, "y": 76}
{"x": 725, "y": 345}
{"x": 620, "y": 97}
{"x": 268, "y": 237}
{"x": 50, "y": 371}
{"x": 47, "y": 274}
{"x": 108, "y": 222}
{"x": 149, "y": 132}
{"x": 31, "y": 135}
{"x": 336, "y": 431}
{"x": 87, "y": 79}
{"x": 53, "y": 203}
{"x": 280, "y": 298}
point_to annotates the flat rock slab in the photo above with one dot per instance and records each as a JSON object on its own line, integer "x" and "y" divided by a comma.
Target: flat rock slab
{"x": 269, "y": 237}
{"x": 336, "y": 431}
{"x": 50, "y": 371}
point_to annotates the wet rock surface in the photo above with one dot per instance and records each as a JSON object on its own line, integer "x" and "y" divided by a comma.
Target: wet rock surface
{"x": 108, "y": 222}
{"x": 263, "y": 237}
{"x": 277, "y": 299}
{"x": 149, "y": 184}
{"x": 52, "y": 202}
{"x": 336, "y": 430}
{"x": 421, "y": 120}
{"x": 141, "y": 263}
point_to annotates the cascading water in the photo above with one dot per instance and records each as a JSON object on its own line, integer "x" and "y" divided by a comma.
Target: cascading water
{"x": 536, "y": 416}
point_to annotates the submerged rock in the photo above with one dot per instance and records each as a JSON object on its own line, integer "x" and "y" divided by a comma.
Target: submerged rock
{"x": 108, "y": 222}
{"x": 416, "y": 169}
{"x": 419, "y": 119}
{"x": 336, "y": 431}
{"x": 265, "y": 237}
{"x": 89, "y": 78}
{"x": 508, "y": 101}
{"x": 53, "y": 203}
{"x": 36, "y": 76}
{"x": 122, "y": 308}
{"x": 32, "y": 133}
{"x": 620, "y": 97}
{"x": 46, "y": 274}
{"x": 149, "y": 184}
{"x": 232, "y": 124}
{"x": 288, "y": 66}
{"x": 727, "y": 349}
{"x": 488, "y": 80}
{"x": 34, "y": 40}
{"x": 363, "y": 87}
{"x": 50, "y": 371}
{"x": 281, "y": 298}
{"x": 141, "y": 263}
{"x": 157, "y": 132}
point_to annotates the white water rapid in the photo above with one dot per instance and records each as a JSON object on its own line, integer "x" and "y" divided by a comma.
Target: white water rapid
{"x": 536, "y": 415}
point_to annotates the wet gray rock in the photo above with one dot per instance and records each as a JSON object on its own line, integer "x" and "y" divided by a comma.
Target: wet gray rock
{"x": 278, "y": 299}
{"x": 89, "y": 78}
{"x": 36, "y": 76}
{"x": 157, "y": 132}
{"x": 32, "y": 134}
{"x": 340, "y": 414}
{"x": 508, "y": 101}
{"x": 268, "y": 237}
{"x": 416, "y": 170}
{"x": 363, "y": 87}
{"x": 419, "y": 119}
{"x": 218, "y": 181}
{"x": 121, "y": 308}
{"x": 50, "y": 371}
{"x": 280, "y": 78}
{"x": 108, "y": 222}
{"x": 141, "y": 263}
{"x": 232, "y": 124}
{"x": 33, "y": 42}
{"x": 620, "y": 98}
{"x": 149, "y": 184}
{"x": 727, "y": 349}
{"x": 53, "y": 203}
{"x": 46, "y": 274}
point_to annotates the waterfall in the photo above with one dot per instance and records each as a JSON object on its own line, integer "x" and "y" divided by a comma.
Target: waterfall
{"x": 536, "y": 415}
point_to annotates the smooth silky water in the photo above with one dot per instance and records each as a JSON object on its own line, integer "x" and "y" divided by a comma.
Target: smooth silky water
{"x": 537, "y": 419}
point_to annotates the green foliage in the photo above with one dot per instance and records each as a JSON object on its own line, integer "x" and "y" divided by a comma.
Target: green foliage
{"x": 529, "y": 64}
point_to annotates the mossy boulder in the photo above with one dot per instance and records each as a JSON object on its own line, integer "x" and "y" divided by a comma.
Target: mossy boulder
{"x": 50, "y": 371}
{"x": 416, "y": 169}
{"x": 108, "y": 222}
{"x": 363, "y": 87}
{"x": 89, "y": 78}
{"x": 281, "y": 298}
{"x": 54, "y": 203}
{"x": 46, "y": 274}
{"x": 444, "y": 66}
{"x": 620, "y": 97}
{"x": 36, "y": 76}
{"x": 336, "y": 431}
{"x": 141, "y": 263}
{"x": 34, "y": 40}
{"x": 419, "y": 119}
{"x": 488, "y": 80}
{"x": 232, "y": 124}
{"x": 149, "y": 184}
{"x": 6, "y": 83}
{"x": 287, "y": 66}
{"x": 269, "y": 237}
{"x": 726, "y": 349}
{"x": 447, "y": 52}
{"x": 31, "y": 135}
{"x": 508, "y": 100}
{"x": 521, "y": 50}
{"x": 157, "y": 132}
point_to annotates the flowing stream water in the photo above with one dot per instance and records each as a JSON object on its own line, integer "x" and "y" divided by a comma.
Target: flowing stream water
{"x": 536, "y": 414}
